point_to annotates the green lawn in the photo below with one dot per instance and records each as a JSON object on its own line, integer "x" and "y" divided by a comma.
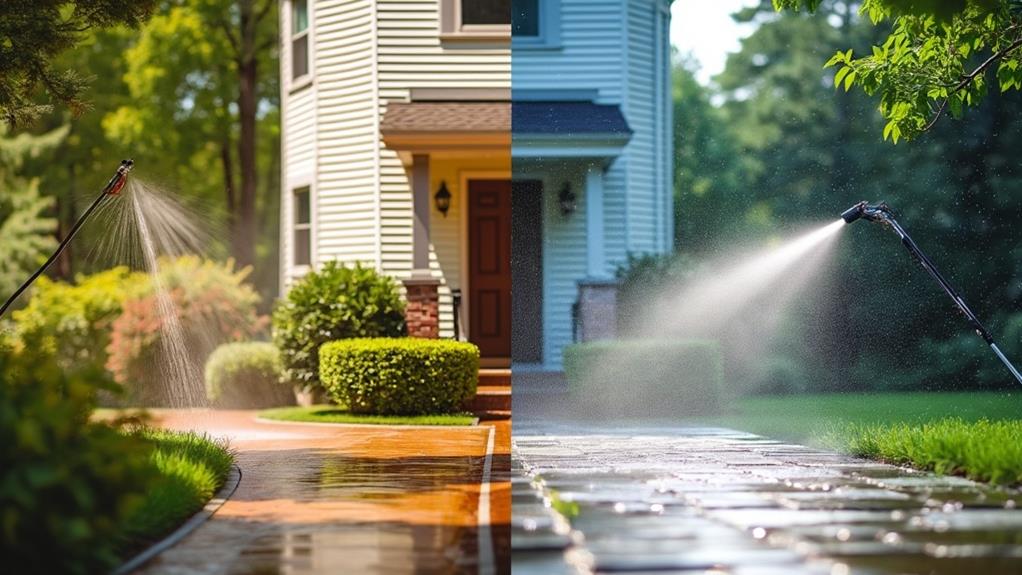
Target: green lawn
{"x": 978, "y": 435}
{"x": 191, "y": 468}
{"x": 334, "y": 414}
{"x": 810, "y": 418}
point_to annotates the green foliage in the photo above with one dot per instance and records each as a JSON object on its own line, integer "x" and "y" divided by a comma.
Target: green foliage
{"x": 646, "y": 378}
{"x": 385, "y": 376}
{"x": 72, "y": 322}
{"x": 246, "y": 375}
{"x": 983, "y": 450}
{"x": 336, "y": 302}
{"x": 26, "y": 229}
{"x": 875, "y": 321}
{"x": 213, "y": 305}
{"x": 710, "y": 174}
{"x": 190, "y": 469}
{"x": 66, "y": 485}
{"x": 35, "y": 32}
{"x": 931, "y": 64}
{"x": 337, "y": 414}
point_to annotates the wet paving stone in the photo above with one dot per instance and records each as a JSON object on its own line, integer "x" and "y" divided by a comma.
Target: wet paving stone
{"x": 677, "y": 500}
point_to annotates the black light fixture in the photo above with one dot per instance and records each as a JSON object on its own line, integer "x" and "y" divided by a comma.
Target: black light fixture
{"x": 566, "y": 198}
{"x": 443, "y": 198}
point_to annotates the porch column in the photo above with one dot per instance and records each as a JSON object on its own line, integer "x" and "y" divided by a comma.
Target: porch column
{"x": 421, "y": 209}
{"x": 597, "y": 294}
{"x": 422, "y": 307}
{"x": 596, "y": 260}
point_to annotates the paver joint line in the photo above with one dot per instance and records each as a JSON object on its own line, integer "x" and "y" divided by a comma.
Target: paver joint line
{"x": 692, "y": 499}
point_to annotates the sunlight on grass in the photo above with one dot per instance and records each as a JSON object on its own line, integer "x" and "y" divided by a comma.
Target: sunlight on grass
{"x": 983, "y": 450}
{"x": 191, "y": 468}
{"x": 809, "y": 418}
{"x": 334, "y": 414}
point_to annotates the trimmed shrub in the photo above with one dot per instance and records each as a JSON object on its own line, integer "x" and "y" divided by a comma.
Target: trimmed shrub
{"x": 336, "y": 302}
{"x": 646, "y": 378}
{"x": 388, "y": 376}
{"x": 67, "y": 485}
{"x": 246, "y": 375}
{"x": 71, "y": 323}
{"x": 212, "y": 305}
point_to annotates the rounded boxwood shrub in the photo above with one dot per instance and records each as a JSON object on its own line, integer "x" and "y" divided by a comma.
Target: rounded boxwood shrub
{"x": 335, "y": 302}
{"x": 646, "y": 378}
{"x": 387, "y": 376}
{"x": 246, "y": 375}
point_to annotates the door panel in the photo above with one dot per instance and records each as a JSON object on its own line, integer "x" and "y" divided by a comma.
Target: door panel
{"x": 489, "y": 285}
{"x": 527, "y": 271}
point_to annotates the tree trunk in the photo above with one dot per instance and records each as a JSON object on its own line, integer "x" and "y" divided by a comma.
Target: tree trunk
{"x": 245, "y": 230}
{"x": 230, "y": 193}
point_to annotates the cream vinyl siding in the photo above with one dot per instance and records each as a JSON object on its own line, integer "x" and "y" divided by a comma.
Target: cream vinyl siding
{"x": 347, "y": 139}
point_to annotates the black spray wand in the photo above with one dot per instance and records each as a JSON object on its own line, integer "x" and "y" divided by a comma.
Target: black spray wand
{"x": 112, "y": 187}
{"x": 883, "y": 214}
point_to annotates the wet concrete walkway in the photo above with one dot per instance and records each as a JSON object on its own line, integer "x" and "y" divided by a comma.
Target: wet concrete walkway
{"x": 366, "y": 499}
{"x": 687, "y": 500}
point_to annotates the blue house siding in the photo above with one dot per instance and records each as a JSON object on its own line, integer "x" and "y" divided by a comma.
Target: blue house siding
{"x": 616, "y": 53}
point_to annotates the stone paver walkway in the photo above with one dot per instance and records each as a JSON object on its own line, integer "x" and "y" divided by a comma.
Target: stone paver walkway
{"x": 688, "y": 500}
{"x": 367, "y": 499}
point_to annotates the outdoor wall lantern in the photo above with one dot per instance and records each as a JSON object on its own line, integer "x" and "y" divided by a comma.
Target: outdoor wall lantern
{"x": 443, "y": 198}
{"x": 566, "y": 198}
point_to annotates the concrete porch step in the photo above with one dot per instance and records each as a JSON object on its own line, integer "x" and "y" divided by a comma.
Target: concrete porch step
{"x": 490, "y": 398}
{"x": 494, "y": 377}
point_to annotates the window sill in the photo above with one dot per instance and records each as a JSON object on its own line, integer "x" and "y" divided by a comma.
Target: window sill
{"x": 300, "y": 84}
{"x": 534, "y": 44}
{"x": 476, "y": 37}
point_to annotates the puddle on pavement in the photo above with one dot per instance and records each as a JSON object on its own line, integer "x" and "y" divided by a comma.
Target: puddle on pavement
{"x": 355, "y": 478}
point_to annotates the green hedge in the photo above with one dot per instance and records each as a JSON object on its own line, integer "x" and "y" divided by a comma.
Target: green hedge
{"x": 646, "y": 378}
{"x": 247, "y": 375}
{"x": 401, "y": 376}
{"x": 334, "y": 302}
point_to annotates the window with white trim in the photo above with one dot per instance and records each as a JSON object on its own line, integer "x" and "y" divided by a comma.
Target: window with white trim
{"x": 302, "y": 226}
{"x": 536, "y": 23}
{"x": 475, "y": 19}
{"x": 299, "y": 39}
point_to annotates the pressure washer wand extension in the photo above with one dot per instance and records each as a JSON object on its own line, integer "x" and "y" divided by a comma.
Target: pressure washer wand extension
{"x": 883, "y": 214}
{"x": 111, "y": 189}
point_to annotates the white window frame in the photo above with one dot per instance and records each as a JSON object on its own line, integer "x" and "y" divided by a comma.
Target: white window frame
{"x": 294, "y": 84}
{"x": 296, "y": 227}
{"x": 452, "y": 28}
{"x": 549, "y": 36}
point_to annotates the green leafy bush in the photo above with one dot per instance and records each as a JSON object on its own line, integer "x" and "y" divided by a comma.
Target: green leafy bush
{"x": 388, "y": 376}
{"x": 646, "y": 378}
{"x": 336, "y": 302}
{"x": 71, "y": 322}
{"x": 66, "y": 484}
{"x": 211, "y": 303}
{"x": 246, "y": 375}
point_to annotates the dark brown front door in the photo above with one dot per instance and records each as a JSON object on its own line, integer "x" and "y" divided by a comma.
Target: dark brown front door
{"x": 489, "y": 270}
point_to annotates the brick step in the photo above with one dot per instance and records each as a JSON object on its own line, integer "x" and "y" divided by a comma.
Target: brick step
{"x": 493, "y": 415}
{"x": 490, "y": 398}
{"x": 493, "y": 377}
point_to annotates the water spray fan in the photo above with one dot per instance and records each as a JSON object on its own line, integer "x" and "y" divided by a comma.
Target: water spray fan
{"x": 882, "y": 213}
{"x": 112, "y": 188}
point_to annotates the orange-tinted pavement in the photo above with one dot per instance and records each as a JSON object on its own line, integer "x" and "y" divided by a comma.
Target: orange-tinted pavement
{"x": 360, "y": 499}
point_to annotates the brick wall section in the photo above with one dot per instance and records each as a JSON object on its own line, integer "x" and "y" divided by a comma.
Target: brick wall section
{"x": 422, "y": 309}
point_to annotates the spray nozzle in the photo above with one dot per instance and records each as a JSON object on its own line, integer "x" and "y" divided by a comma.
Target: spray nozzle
{"x": 117, "y": 182}
{"x": 875, "y": 213}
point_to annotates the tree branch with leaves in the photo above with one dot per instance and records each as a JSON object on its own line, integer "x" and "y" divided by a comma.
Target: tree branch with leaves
{"x": 936, "y": 61}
